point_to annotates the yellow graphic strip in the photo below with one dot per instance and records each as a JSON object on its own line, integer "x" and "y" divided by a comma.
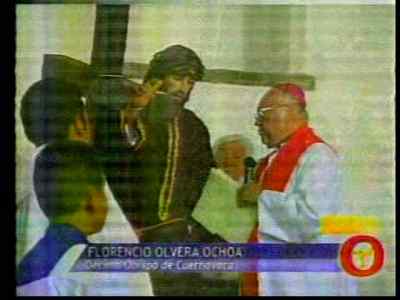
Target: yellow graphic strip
{"x": 342, "y": 224}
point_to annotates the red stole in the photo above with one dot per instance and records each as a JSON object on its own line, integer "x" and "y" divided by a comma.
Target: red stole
{"x": 275, "y": 177}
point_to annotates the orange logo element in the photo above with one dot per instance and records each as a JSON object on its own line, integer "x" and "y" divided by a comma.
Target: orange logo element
{"x": 362, "y": 255}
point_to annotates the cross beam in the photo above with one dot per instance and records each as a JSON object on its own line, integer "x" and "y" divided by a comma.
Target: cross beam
{"x": 109, "y": 45}
{"x": 225, "y": 76}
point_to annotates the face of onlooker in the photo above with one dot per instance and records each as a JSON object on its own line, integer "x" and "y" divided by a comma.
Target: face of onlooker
{"x": 230, "y": 158}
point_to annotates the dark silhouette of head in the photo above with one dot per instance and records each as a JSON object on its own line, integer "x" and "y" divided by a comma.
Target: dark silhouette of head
{"x": 49, "y": 108}
{"x": 69, "y": 185}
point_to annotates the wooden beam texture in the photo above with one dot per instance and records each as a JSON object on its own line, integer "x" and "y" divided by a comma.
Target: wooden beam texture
{"x": 224, "y": 76}
{"x": 110, "y": 38}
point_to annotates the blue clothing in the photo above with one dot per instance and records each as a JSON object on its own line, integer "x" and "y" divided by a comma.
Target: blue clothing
{"x": 41, "y": 259}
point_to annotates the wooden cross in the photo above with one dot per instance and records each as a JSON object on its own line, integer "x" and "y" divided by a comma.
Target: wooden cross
{"x": 109, "y": 45}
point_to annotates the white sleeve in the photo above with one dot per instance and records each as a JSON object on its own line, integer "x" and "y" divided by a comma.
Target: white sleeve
{"x": 314, "y": 191}
{"x": 43, "y": 287}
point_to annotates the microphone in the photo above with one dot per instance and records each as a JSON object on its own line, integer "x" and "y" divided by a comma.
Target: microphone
{"x": 249, "y": 165}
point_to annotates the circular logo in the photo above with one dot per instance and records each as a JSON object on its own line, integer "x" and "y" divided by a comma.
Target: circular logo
{"x": 362, "y": 255}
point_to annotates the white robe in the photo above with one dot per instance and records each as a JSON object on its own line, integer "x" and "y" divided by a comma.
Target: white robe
{"x": 314, "y": 190}
{"x": 32, "y": 227}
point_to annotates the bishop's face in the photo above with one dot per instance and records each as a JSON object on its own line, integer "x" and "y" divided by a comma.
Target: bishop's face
{"x": 275, "y": 118}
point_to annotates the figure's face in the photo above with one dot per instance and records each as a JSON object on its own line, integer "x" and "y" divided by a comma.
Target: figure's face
{"x": 230, "y": 158}
{"x": 275, "y": 118}
{"x": 179, "y": 86}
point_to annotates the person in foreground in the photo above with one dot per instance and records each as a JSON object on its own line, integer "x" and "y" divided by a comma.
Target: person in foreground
{"x": 297, "y": 184}
{"x": 52, "y": 111}
{"x": 69, "y": 185}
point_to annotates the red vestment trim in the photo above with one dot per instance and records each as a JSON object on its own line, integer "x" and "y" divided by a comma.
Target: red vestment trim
{"x": 275, "y": 177}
